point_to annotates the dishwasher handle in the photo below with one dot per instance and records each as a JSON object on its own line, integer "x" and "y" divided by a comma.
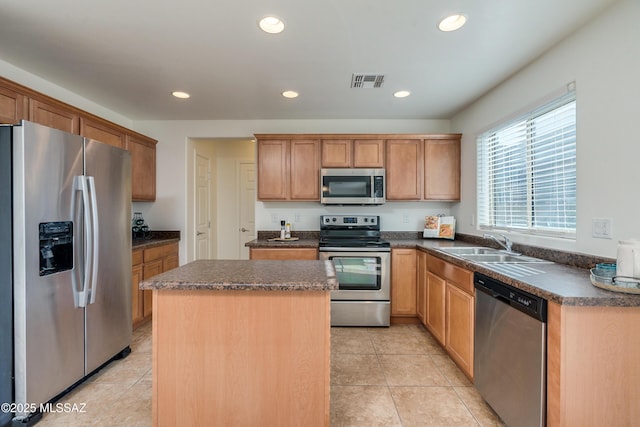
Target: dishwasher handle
{"x": 529, "y": 304}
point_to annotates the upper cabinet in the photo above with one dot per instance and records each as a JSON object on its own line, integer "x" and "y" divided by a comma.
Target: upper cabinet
{"x": 404, "y": 169}
{"x": 288, "y": 169}
{"x": 418, "y": 167}
{"x": 21, "y": 103}
{"x": 423, "y": 169}
{"x": 95, "y": 129}
{"x": 143, "y": 167}
{"x": 352, "y": 153}
{"x": 442, "y": 169}
{"x": 54, "y": 115}
{"x": 13, "y": 106}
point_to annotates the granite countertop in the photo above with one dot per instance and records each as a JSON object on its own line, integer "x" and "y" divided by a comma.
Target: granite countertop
{"x": 306, "y": 239}
{"x": 156, "y": 238}
{"x": 565, "y": 282}
{"x": 560, "y": 283}
{"x": 265, "y": 243}
{"x": 260, "y": 275}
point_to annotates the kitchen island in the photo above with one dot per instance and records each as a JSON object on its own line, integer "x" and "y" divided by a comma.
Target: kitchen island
{"x": 240, "y": 342}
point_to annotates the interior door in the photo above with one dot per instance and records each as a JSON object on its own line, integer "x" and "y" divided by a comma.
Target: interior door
{"x": 203, "y": 207}
{"x": 246, "y": 230}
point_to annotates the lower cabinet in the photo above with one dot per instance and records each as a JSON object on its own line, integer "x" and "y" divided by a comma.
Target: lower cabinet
{"x": 421, "y": 287}
{"x": 283, "y": 253}
{"x": 449, "y": 301}
{"x": 403, "y": 282}
{"x": 436, "y": 294}
{"x": 146, "y": 263}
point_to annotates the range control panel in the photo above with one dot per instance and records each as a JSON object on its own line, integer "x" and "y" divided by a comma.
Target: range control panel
{"x": 349, "y": 220}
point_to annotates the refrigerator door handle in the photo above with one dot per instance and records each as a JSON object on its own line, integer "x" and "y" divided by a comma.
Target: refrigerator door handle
{"x": 94, "y": 241}
{"x": 75, "y": 217}
{"x": 80, "y": 185}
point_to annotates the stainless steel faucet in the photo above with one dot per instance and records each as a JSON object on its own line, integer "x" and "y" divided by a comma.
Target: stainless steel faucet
{"x": 506, "y": 245}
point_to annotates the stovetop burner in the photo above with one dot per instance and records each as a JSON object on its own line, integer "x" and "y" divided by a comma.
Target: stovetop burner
{"x": 351, "y": 231}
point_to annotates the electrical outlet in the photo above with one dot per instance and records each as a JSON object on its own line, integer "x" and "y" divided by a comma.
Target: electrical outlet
{"x": 601, "y": 228}
{"x": 405, "y": 218}
{"x": 296, "y": 217}
{"x": 274, "y": 219}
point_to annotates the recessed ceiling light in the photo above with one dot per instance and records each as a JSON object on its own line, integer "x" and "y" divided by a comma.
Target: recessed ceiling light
{"x": 290, "y": 94}
{"x": 271, "y": 24}
{"x": 181, "y": 95}
{"x": 402, "y": 94}
{"x": 452, "y": 22}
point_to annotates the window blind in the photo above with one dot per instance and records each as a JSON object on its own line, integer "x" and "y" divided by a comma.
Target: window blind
{"x": 527, "y": 171}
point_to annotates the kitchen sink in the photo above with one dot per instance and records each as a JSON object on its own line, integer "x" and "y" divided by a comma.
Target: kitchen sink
{"x": 501, "y": 258}
{"x": 470, "y": 251}
{"x": 489, "y": 255}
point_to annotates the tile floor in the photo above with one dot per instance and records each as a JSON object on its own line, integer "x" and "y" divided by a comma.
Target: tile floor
{"x": 397, "y": 376}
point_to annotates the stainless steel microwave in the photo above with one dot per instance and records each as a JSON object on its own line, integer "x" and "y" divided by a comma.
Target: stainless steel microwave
{"x": 357, "y": 186}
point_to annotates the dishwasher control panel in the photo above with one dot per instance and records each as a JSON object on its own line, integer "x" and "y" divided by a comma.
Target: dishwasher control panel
{"x": 530, "y": 304}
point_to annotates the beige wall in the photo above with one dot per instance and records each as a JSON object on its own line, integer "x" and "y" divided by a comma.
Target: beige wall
{"x": 603, "y": 59}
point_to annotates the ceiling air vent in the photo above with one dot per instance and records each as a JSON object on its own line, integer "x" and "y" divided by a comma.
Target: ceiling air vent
{"x": 366, "y": 81}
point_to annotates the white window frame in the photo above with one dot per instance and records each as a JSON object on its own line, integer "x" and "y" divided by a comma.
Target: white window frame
{"x": 486, "y": 195}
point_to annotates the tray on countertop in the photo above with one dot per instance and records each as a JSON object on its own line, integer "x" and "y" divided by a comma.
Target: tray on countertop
{"x": 610, "y": 285}
{"x": 281, "y": 239}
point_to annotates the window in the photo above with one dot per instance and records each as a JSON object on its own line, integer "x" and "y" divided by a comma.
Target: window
{"x": 527, "y": 172}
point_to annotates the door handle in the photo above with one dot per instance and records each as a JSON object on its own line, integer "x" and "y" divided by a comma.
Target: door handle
{"x": 199, "y": 233}
{"x": 244, "y": 230}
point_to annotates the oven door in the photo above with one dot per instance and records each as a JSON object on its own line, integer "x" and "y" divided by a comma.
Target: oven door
{"x": 362, "y": 276}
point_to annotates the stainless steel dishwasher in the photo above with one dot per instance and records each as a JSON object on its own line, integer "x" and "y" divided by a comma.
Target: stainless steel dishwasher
{"x": 510, "y": 351}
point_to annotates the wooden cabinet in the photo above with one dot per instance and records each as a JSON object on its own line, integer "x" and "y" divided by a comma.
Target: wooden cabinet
{"x": 304, "y": 176}
{"x": 592, "y": 365}
{"x": 53, "y": 114}
{"x": 423, "y": 169}
{"x": 288, "y": 169}
{"x": 103, "y": 132}
{"x": 442, "y": 169}
{"x": 273, "y": 169}
{"x": 13, "y": 106}
{"x": 421, "y": 284}
{"x": 147, "y": 263}
{"x": 352, "y": 153}
{"x": 143, "y": 167}
{"x": 451, "y": 310}
{"x": 404, "y": 175}
{"x": 368, "y": 153}
{"x": 18, "y": 102}
{"x": 459, "y": 326}
{"x": 435, "y": 319}
{"x": 283, "y": 253}
{"x": 403, "y": 282}
{"x": 336, "y": 153}
{"x": 418, "y": 167}
{"x": 137, "y": 276}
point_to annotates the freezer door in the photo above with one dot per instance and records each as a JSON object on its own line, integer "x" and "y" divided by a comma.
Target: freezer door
{"x": 108, "y": 312}
{"x": 48, "y": 327}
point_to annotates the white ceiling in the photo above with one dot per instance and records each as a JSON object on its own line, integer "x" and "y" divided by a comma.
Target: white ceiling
{"x": 130, "y": 55}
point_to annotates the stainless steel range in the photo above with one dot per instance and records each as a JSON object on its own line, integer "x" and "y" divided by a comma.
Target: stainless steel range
{"x": 362, "y": 261}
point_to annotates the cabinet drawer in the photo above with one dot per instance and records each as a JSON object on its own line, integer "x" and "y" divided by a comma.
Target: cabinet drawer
{"x": 457, "y": 276}
{"x": 158, "y": 252}
{"x": 136, "y": 257}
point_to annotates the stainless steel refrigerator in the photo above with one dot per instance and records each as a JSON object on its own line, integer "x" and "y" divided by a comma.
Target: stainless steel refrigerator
{"x": 65, "y": 261}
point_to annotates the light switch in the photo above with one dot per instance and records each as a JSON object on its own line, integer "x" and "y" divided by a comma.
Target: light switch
{"x": 601, "y": 228}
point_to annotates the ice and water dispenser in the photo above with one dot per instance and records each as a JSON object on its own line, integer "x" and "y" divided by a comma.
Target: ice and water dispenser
{"x": 56, "y": 247}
